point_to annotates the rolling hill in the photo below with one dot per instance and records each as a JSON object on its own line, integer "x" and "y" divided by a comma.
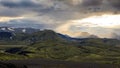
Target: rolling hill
{"x": 48, "y": 44}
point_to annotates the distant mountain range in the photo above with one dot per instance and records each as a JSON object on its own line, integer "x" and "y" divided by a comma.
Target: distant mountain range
{"x": 18, "y": 30}
{"x": 13, "y": 31}
{"x": 31, "y": 35}
{"x": 48, "y": 44}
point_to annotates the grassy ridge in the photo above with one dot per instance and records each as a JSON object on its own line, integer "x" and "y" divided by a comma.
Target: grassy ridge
{"x": 49, "y": 45}
{"x": 67, "y": 51}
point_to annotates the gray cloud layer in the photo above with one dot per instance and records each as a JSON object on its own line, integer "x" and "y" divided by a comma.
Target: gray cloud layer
{"x": 54, "y": 13}
{"x": 22, "y": 4}
{"x": 92, "y": 2}
{"x": 55, "y": 7}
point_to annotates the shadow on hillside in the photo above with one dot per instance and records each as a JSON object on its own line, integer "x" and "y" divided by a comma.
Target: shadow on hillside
{"x": 41, "y": 63}
{"x": 10, "y": 65}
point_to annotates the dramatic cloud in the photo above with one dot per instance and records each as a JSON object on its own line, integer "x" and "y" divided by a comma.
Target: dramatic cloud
{"x": 24, "y": 4}
{"x": 115, "y": 3}
{"x": 92, "y": 2}
{"x": 69, "y": 28}
{"x": 77, "y": 18}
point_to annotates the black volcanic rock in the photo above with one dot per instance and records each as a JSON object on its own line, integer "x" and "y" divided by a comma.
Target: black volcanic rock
{"x": 13, "y": 50}
{"x": 10, "y": 65}
{"x": 6, "y": 35}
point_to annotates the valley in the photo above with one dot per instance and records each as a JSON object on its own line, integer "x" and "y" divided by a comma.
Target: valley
{"x": 45, "y": 63}
{"x": 49, "y": 48}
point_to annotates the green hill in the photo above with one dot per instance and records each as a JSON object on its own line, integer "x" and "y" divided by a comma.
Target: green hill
{"x": 49, "y": 45}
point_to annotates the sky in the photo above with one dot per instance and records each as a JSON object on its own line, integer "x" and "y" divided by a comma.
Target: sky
{"x": 76, "y": 18}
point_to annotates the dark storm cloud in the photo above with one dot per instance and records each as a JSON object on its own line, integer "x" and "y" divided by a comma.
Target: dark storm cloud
{"x": 115, "y": 3}
{"x": 23, "y": 23}
{"x": 37, "y": 7}
{"x": 92, "y": 2}
{"x": 83, "y": 2}
{"x": 54, "y": 13}
{"x": 41, "y": 7}
{"x": 55, "y": 8}
{"x": 12, "y": 8}
{"x": 7, "y": 12}
{"x": 21, "y": 4}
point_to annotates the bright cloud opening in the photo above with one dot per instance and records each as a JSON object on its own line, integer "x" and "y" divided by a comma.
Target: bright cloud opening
{"x": 106, "y": 21}
{"x": 102, "y": 26}
{"x": 6, "y": 19}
